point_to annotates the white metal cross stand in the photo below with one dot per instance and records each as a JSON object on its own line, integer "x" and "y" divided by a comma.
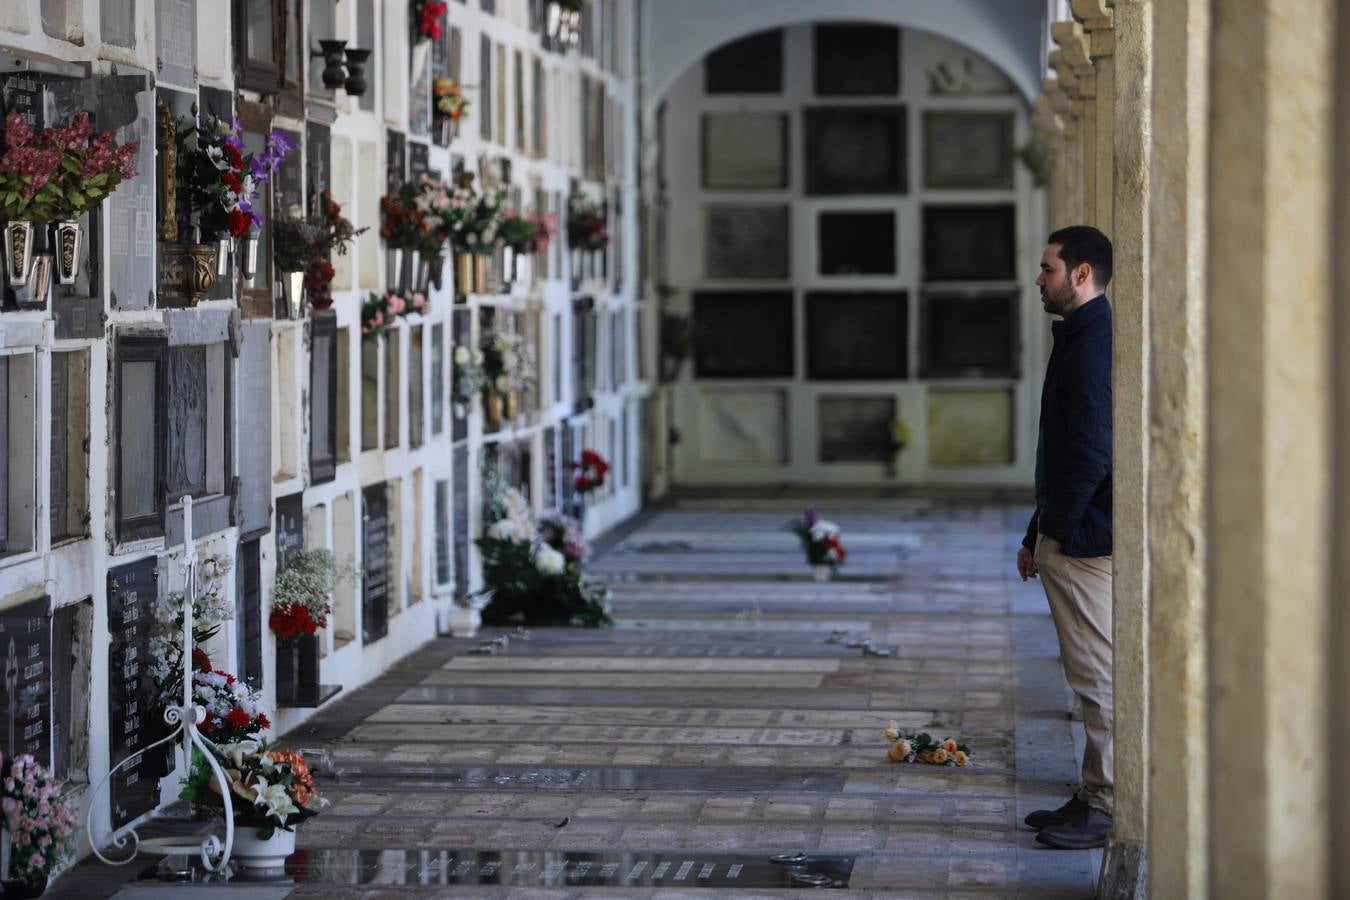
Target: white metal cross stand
{"x": 186, "y": 717}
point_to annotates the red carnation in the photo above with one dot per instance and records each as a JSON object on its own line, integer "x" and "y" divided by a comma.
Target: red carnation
{"x": 583, "y": 483}
{"x": 235, "y": 158}
{"x": 232, "y": 182}
{"x": 200, "y": 661}
{"x": 239, "y": 223}
{"x": 263, "y": 722}
{"x": 238, "y": 718}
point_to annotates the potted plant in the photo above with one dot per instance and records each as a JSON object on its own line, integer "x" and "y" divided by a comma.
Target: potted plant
{"x": 40, "y": 826}
{"x": 449, "y": 107}
{"x": 271, "y": 792}
{"x": 820, "y": 542}
{"x": 56, "y": 174}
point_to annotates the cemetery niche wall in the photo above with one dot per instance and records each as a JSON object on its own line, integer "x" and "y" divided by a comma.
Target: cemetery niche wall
{"x": 880, "y": 284}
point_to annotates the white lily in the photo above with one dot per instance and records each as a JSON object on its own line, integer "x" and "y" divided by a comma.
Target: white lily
{"x": 274, "y": 797}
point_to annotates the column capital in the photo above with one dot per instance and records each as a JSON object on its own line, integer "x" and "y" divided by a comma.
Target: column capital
{"x": 1094, "y": 14}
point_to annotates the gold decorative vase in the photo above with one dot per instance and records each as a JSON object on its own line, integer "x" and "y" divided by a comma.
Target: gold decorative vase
{"x": 187, "y": 270}
{"x": 463, "y": 273}
{"x": 480, "y": 273}
{"x": 492, "y": 408}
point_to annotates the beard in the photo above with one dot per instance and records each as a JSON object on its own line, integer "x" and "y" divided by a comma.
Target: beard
{"x": 1058, "y": 302}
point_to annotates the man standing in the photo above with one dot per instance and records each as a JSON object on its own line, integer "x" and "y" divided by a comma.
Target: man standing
{"x": 1068, "y": 542}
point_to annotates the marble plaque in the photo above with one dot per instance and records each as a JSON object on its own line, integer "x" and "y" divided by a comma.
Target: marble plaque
{"x": 857, "y": 336}
{"x": 856, "y": 243}
{"x": 745, "y": 151}
{"x": 131, "y": 208}
{"x": 970, "y": 427}
{"x": 854, "y": 429}
{"x": 253, "y": 424}
{"x": 968, "y": 335}
{"x": 970, "y": 243}
{"x": 176, "y": 42}
{"x": 318, "y": 161}
{"x": 437, "y": 378}
{"x": 746, "y": 242}
{"x": 857, "y": 60}
{"x": 188, "y": 412}
{"x": 744, "y": 426}
{"x": 751, "y": 65}
{"x": 856, "y": 150}
{"x": 442, "y": 525}
{"x": 26, "y": 649}
{"x": 743, "y": 334}
{"x": 953, "y": 70}
{"x": 288, "y": 188}
{"x": 968, "y": 150}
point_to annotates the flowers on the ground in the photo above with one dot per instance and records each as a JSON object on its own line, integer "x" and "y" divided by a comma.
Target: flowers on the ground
{"x": 820, "y": 539}
{"x": 62, "y": 171}
{"x": 41, "y": 823}
{"x": 449, "y": 97}
{"x": 429, "y": 14}
{"x": 301, "y": 599}
{"x": 586, "y": 227}
{"x": 921, "y": 747}
{"x": 590, "y": 472}
{"x": 270, "y": 787}
{"x": 532, "y": 571}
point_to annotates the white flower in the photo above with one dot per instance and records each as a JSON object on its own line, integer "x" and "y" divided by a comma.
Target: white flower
{"x": 505, "y": 530}
{"x": 502, "y": 384}
{"x": 478, "y": 357}
{"x": 238, "y": 750}
{"x": 892, "y": 732}
{"x": 549, "y": 561}
{"x": 823, "y": 530}
{"x": 274, "y": 797}
{"x": 461, "y": 356}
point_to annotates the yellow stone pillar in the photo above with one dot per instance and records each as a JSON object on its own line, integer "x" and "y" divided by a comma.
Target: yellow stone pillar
{"x": 1096, "y": 20}
{"x": 1123, "y": 123}
{"x": 1074, "y": 68}
{"x": 1178, "y": 779}
{"x": 1269, "y": 484}
{"x": 1068, "y": 186}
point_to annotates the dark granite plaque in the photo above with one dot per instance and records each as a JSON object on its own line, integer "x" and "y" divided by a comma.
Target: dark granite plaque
{"x": 419, "y": 159}
{"x": 551, "y": 468}
{"x": 290, "y": 533}
{"x": 26, "y": 647}
{"x": 134, "y": 714}
{"x": 253, "y": 410}
{"x": 856, "y": 336}
{"x": 969, "y": 243}
{"x": 318, "y": 161}
{"x": 288, "y": 188}
{"x": 442, "y": 526}
{"x": 751, "y": 65}
{"x": 968, "y": 335}
{"x": 374, "y": 563}
{"x": 856, "y": 150}
{"x": 747, "y": 242}
{"x": 968, "y": 150}
{"x": 857, "y": 243}
{"x": 323, "y": 397}
{"x": 396, "y": 160}
{"x": 854, "y": 429}
{"x": 459, "y": 527}
{"x": 743, "y": 334}
{"x": 437, "y": 378}
{"x": 248, "y": 581}
{"x": 857, "y": 60}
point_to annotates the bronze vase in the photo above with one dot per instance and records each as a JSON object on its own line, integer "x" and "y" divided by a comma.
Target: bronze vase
{"x": 463, "y": 273}
{"x": 480, "y": 273}
{"x": 187, "y": 270}
{"x": 492, "y": 408}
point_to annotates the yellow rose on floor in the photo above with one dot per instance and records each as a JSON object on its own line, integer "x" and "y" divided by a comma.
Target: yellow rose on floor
{"x": 939, "y": 757}
{"x": 899, "y": 751}
{"x": 892, "y": 732}
{"x": 960, "y": 757}
{"x": 949, "y": 745}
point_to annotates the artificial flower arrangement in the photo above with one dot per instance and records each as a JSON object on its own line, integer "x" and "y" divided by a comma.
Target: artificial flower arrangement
{"x": 62, "y": 171}
{"x": 221, "y": 182}
{"x": 41, "y": 823}
{"x": 820, "y": 540}
{"x": 403, "y": 225}
{"x": 301, "y": 598}
{"x": 468, "y": 378}
{"x": 428, "y": 14}
{"x": 532, "y": 571}
{"x": 303, "y": 245}
{"x": 526, "y": 232}
{"x": 449, "y": 99}
{"x": 922, "y": 747}
{"x": 211, "y": 609}
{"x": 271, "y": 789}
{"x": 508, "y": 364}
{"x": 586, "y": 227}
{"x": 233, "y": 709}
{"x": 590, "y": 472}
{"x": 470, "y": 220}
{"x": 381, "y": 310}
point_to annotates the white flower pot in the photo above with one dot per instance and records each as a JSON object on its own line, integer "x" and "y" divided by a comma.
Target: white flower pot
{"x": 251, "y": 854}
{"x": 822, "y": 573}
{"x": 464, "y": 621}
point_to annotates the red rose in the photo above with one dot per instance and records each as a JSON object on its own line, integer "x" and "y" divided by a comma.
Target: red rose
{"x": 232, "y": 182}
{"x": 208, "y": 723}
{"x": 234, "y": 157}
{"x": 200, "y": 661}
{"x": 239, "y": 223}
{"x": 238, "y": 718}
{"x": 583, "y": 484}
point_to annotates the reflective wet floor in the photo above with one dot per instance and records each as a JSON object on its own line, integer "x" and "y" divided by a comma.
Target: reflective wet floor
{"x": 733, "y": 714}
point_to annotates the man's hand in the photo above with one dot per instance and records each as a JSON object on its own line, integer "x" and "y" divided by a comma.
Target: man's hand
{"x": 1026, "y": 564}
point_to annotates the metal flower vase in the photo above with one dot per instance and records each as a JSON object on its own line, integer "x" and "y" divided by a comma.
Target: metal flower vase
{"x": 67, "y": 242}
{"x": 407, "y": 276}
{"x": 393, "y": 265}
{"x": 187, "y": 270}
{"x": 18, "y": 252}
{"x": 463, "y": 273}
{"x": 225, "y": 246}
{"x": 480, "y": 273}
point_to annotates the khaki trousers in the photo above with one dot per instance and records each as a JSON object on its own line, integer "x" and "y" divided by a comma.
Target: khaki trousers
{"x": 1079, "y": 591}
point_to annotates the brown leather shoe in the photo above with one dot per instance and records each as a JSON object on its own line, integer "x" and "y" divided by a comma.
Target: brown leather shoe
{"x": 1049, "y": 818}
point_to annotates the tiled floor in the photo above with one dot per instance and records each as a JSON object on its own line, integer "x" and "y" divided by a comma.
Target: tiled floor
{"x": 725, "y": 714}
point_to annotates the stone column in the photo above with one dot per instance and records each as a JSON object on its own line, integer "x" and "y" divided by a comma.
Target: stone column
{"x": 1068, "y": 191}
{"x": 1128, "y": 109}
{"x": 1178, "y": 824}
{"x": 1099, "y": 44}
{"x": 1268, "y": 465}
{"x": 1074, "y": 68}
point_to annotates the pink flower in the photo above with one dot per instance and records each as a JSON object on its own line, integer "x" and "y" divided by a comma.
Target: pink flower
{"x": 396, "y": 305}
{"x": 17, "y": 131}
{"x": 377, "y": 320}
{"x": 419, "y": 300}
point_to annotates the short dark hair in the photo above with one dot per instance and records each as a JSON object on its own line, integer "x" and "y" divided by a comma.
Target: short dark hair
{"x": 1080, "y": 244}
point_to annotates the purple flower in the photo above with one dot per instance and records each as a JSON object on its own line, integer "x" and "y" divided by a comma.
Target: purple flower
{"x": 810, "y": 516}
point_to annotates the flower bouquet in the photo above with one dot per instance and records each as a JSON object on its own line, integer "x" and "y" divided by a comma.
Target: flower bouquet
{"x": 380, "y": 311}
{"x": 468, "y": 378}
{"x": 301, "y": 597}
{"x": 508, "y": 368}
{"x": 271, "y": 792}
{"x": 590, "y": 472}
{"x": 820, "y": 542}
{"x": 55, "y": 174}
{"x": 428, "y": 14}
{"x": 41, "y": 824}
{"x": 586, "y": 227}
{"x": 233, "y": 710}
{"x": 525, "y": 234}
{"x": 221, "y": 183}
{"x": 921, "y": 747}
{"x": 450, "y": 105}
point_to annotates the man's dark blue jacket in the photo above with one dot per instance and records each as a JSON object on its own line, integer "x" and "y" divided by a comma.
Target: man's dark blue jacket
{"x": 1075, "y": 506}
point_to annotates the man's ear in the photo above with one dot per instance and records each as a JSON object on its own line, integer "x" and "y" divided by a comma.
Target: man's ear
{"x": 1085, "y": 271}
